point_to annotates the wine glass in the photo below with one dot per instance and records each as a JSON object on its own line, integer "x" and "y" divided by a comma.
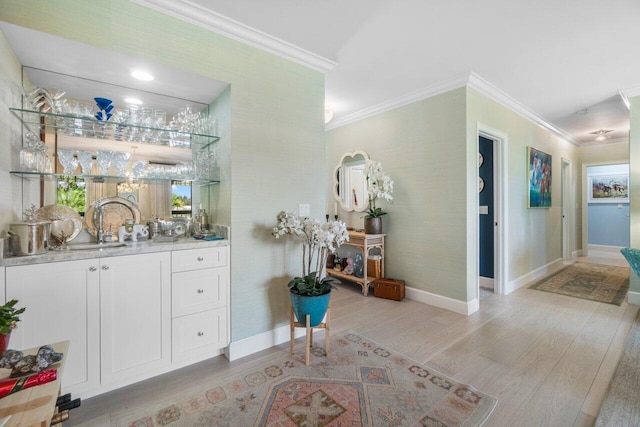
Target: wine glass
{"x": 104, "y": 159}
{"x": 120, "y": 160}
{"x": 68, "y": 161}
{"x": 86, "y": 161}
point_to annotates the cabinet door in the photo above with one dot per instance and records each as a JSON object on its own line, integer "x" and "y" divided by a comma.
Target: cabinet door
{"x": 135, "y": 301}
{"x": 62, "y": 301}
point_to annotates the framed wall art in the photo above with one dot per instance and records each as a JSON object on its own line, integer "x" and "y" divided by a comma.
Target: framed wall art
{"x": 611, "y": 188}
{"x": 539, "y": 178}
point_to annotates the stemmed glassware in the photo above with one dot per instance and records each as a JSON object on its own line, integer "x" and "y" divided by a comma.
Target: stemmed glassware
{"x": 120, "y": 160}
{"x": 104, "y": 159}
{"x": 86, "y": 161}
{"x": 68, "y": 161}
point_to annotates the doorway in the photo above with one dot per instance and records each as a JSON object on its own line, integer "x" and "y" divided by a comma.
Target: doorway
{"x": 567, "y": 202}
{"x": 496, "y": 222}
{"x": 486, "y": 218}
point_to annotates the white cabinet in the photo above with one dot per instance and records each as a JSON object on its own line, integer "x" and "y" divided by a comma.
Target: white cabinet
{"x": 62, "y": 301}
{"x": 135, "y": 307}
{"x": 128, "y": 317}
{"x": 200, "y": 303}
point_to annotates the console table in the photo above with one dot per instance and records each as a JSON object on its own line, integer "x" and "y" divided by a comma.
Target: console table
{"x": 365, "y": 242}
{"x": 33, "y": 406}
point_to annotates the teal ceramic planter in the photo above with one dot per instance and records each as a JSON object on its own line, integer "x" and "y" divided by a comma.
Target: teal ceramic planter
{"x": 315, "y": 306}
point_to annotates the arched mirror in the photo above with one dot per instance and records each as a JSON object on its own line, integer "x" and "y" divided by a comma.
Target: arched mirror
{"x": 349, "y": 182}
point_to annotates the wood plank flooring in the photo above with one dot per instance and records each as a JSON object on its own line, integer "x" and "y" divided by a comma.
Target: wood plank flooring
{"x": 547, "y": 358}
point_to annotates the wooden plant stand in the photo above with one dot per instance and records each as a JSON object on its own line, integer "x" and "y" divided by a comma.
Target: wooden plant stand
{"x": 309, "y": 333}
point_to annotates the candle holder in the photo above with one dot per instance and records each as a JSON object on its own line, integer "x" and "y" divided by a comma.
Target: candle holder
{"x": 335, "y": 217}
{"x": 327, "y": 217}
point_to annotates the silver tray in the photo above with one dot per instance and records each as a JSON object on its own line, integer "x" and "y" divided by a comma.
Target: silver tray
{"x": 115, "y": 212}
{"x": 58, "y": 212}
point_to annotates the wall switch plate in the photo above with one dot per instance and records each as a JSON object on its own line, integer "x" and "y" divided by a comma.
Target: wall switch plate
{"x": 304, "y": 211}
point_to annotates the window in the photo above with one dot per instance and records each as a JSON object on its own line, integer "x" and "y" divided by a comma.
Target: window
{"x": 180, "y": 199}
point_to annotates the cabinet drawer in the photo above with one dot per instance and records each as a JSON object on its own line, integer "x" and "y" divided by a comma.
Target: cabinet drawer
{"x": 199, "y": 332}
{"x": 198, "y": 290}
{"x": 196, "y": 259}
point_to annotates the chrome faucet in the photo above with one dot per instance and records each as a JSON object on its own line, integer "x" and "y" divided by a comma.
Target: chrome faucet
{"x": 99, "y": 216}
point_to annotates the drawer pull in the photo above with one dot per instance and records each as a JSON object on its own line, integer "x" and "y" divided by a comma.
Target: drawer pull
{"x": 200, "y": 258}
{"x": 92, "y": 268}
{"x": 105, "y": 267}
{"x": 201, "y": 291}
{"x": 200, "y": 333}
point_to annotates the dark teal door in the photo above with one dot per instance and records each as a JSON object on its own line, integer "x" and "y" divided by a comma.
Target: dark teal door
{"x": 486, "y": 209}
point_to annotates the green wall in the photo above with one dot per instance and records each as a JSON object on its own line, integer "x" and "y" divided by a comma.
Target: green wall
{"x": 276, "y": 130}
{"x": 422, "y": 147}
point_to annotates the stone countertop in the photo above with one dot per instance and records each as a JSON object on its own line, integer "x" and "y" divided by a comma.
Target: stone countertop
{"x": 131, "y": 248}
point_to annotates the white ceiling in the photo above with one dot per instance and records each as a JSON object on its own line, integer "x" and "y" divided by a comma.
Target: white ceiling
{"x": 553, "y": 57}
{"x": 550, "y": 58}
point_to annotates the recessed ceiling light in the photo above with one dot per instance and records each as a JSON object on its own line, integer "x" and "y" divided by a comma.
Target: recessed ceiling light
{"x": 133, "y": 101}
{"x": 142, "y": 75}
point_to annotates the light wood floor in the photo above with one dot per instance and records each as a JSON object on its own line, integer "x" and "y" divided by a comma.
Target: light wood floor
{"x": 547, "y": 358}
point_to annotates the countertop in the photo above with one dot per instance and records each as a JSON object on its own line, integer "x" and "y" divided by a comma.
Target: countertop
{"x": 131, "y": 248}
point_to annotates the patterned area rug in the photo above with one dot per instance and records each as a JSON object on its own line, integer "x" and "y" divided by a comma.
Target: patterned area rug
{"x": 596, "y": 282}
{"x": 360, "y": 383}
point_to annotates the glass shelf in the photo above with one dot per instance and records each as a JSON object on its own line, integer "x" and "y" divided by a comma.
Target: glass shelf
{"x": 86, "y": 127}
{"x": 108, "y": 178}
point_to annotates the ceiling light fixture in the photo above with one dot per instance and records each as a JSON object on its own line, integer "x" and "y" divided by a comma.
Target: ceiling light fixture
{"x": 328, "y": 115}
{"x": 141, "y": 75}
{"x": 601, "y": 134}
{"x": 133, "y": 101}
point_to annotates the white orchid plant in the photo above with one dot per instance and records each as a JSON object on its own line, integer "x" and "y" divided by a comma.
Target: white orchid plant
{"x": 318, "y": 241}
{"x": 379, "y": 186}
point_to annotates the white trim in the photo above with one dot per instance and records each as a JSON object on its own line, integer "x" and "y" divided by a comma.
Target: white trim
{"x": 206, "y": 18}
{"x": 501, "y": 213}
{"x": 633, "y": 298}
{"x": 525, "y": 279}
{"x": 440, "y": 301}
{"x": 605, "y": 248}
{"x": 259, "y": 342}
{"x": 490, "y": 91}
{"x": 473, "y": 81}
{"x": 630, "y": 93}
{"x": 486, "y": 282}
{"x": 392, "y": 104}
{"x": 566, "y": 210}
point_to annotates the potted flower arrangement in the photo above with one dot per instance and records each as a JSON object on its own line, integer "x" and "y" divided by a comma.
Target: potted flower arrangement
{"x": 9, "y": 318}
{"x": 379, "y": 186}
{"x": 310, "y": 292}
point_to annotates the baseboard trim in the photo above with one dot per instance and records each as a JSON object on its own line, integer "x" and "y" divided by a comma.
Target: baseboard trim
{"x": 633, "y": 298}
{"x": 525, "y": 279}
{"x": 247, "y": 346}
{"x": 486, "y": 282}
{"x": 440, "y": 301}
{"x": 605, "y": 248}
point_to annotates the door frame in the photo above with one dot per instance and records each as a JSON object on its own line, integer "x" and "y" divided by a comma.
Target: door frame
{"x": 566, "y": 210}
{"x": 501, "y": 250}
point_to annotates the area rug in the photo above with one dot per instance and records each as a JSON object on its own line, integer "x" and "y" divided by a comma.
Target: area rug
{"x": 360, "y": 383}
{"x": 620, "y": 406}
{"x": 596, "y": 282}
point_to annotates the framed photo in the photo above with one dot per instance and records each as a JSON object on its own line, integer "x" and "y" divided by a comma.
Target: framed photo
{"x": 539, "y": 178}
{"x": 611, "y": 188}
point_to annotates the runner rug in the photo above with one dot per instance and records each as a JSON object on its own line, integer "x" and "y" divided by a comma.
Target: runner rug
{"x": 360, "y": 383}
{"x": 596, "y": 282}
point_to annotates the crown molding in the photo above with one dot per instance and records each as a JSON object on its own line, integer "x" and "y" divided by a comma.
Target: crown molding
{"x": 630, "y": 93}
{"x": 490, "y": 91}
{"x": 472, "y": 81}
{"x": 220, "y": 24}
{"x": 401, "y": 101}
